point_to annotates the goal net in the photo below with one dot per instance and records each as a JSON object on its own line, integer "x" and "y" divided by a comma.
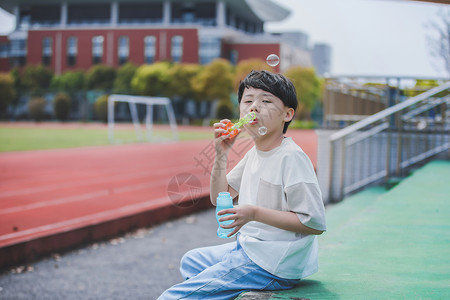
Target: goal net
{"x": 149, "y": 102}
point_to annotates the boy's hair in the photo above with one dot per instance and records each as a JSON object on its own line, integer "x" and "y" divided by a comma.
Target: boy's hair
{"x": 276, "y": 84}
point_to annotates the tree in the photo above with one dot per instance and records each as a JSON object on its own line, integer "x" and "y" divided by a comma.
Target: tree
{"x": 439, "y": 40}
{"x": 18, "y": 85}
{"x": 181, "y": 83}
{"x": 101, "y": 108}
{"x": 100, "y": 77}
{"x": 215, "y": 81}
{"x": 36, "y": 79}
{"x": 61, "y": 106}
{"x": 36, "y": 108}
{"x": 308, "y": 88}
{"x": 152, "y": 80}
{"x": 7, "y": 91}
{"x": 69, "y": 81}
{"x": 122, "y": 83}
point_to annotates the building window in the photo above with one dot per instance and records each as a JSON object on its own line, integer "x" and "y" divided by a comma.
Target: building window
{"x": 88, "y": 14}
{"x": 97, "y": 49}
{"x": 72, "y": 51}
{"x": 149, "y": 49}
{"x": 46, "y": 51}
{"x": 177, "y": 49}
{"x": 188, "y": 13}
{"x": 234, "y": 56}
{"x": 18, "y": 52}
{"x": 201, "y": 12}
{"x": 123, "y": 49}
{"x": 140, "y": 13}
{"x": 45, "y": 15}
{"x": 4, "y": 50}
{"x": 24, "y": 18}
{"x": 209, "y": 49}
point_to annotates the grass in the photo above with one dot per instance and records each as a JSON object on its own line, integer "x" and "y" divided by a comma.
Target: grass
{"x": 42, "y": 137}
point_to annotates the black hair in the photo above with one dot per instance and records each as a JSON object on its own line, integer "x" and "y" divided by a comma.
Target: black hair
{"x": 276, "y": 84}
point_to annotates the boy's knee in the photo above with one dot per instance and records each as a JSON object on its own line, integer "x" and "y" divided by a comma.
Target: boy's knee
{"x": 188, "y": 258}
{"x": 187, "y": 264}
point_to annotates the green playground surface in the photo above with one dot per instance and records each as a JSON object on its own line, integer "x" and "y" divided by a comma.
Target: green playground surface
{"x": 52, "y": 136}
{"x": 385, "y": 244}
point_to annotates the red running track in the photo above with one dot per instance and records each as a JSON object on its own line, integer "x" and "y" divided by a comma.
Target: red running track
{"x": 53, "y": 192}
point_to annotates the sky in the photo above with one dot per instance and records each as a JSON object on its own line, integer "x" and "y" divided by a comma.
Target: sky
{"x": 368, "y": 37}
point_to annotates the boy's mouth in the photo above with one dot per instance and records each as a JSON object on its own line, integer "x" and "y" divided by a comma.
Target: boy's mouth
{"x": 255, "y": 121}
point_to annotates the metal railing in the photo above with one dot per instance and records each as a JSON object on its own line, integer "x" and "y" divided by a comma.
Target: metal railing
{"x": 349, "y": 99}
{"x": 386, "y": 144}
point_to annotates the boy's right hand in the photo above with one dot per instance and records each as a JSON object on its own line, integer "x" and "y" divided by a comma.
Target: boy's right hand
{"x": 223, "y": 143}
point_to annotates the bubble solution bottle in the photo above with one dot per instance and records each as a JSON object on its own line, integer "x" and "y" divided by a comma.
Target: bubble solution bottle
{"x": 224, "y": 201}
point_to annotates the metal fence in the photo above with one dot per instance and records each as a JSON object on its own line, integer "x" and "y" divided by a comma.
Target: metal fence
{"x": 387, "y": 143}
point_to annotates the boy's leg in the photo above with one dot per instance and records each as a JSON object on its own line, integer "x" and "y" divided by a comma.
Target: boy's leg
{"x": 197, "y": 260}
{"x": 227, "y": 279}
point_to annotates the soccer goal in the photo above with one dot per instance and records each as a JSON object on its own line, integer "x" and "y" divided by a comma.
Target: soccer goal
{"x": 150, "y": 102}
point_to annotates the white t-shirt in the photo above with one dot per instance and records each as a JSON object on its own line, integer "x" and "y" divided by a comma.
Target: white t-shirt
{"x": 282, "y": 179}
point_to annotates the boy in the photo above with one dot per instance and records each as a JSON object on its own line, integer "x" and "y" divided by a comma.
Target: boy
{"x": 280, "y": 209}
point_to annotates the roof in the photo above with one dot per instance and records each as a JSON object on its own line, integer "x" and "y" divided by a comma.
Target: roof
{"x": 265, "y": 10}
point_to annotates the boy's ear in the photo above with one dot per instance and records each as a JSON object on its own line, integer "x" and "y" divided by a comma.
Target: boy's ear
{"x": 289, "y": 114}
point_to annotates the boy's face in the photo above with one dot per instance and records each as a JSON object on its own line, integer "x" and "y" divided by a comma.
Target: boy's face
{"x": 270, "y": 110}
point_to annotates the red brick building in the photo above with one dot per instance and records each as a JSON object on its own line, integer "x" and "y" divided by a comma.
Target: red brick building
{"x": 4, "y": 54}
{"x": 109, "y": 49}
{"x": 71, "y": 34}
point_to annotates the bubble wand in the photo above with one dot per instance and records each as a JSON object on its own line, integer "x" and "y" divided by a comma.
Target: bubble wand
{"x": 232, "y": 129}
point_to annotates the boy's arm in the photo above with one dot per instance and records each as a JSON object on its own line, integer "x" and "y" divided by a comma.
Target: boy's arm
{"x": 218, "y": 180}
{"x": 286, "y": 220}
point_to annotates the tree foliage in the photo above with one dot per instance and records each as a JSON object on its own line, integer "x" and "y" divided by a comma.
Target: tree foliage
{"x": 215, "y": 81}
{"x": 308, "y": 88}
{"x": 36, "y": 79}
{"x": 122, "y": 83}
{"x": 181, "y": 80}
{"x": 101, "y": 108}
{"x": 152, "y": 80}
{"x": 69, "y": 81}
{"x": 16, "y": 75}
{"x": 36, "y": 108}
{"x": 100, "y": 77}
{"x": 61, "y": 106}
{"x": 439, "y": 40}
{"x": 7, "y": 91}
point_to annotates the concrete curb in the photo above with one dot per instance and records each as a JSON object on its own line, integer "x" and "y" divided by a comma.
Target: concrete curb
{"x": 33, "y": 249}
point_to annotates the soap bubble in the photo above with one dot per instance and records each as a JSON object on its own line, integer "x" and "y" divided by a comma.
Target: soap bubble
{"x": 262, "y": 130}
{"x": 273, "y": 60}
{"x": 422, "y": 125}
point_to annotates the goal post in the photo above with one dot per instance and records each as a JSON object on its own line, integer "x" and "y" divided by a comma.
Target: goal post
{"x": 149, "y": 102}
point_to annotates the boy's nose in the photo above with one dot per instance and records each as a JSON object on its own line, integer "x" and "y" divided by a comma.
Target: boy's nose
{"x": 254, "y": 107}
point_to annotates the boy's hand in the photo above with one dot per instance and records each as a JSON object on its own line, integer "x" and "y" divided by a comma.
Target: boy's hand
{"x": 223, "y": 143}
{"x": 241, "y": 216}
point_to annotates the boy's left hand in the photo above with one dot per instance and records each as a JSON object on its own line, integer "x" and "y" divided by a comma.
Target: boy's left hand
{"x": 241, "y": 216}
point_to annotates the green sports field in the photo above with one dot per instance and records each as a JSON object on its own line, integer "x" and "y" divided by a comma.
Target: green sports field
{"x": 42, "y": 136}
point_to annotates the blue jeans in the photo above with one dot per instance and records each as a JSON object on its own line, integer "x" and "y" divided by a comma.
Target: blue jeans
{"x": 222, "y": 272}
